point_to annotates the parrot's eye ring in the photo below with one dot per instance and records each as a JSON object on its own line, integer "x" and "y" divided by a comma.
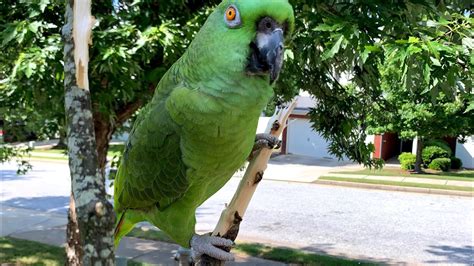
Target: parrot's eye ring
{"x": 232, "y": 17}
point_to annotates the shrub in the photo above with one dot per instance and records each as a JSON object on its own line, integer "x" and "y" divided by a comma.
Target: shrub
{"x": 456, "y": 163}
{"x": 442, "y": 164}
{"x": 433, "y": 152}
{"x": 439, "y": 143}
{"x": 407, "y": 160}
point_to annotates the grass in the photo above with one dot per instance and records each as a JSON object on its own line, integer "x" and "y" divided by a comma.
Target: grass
{"x": 23, "y": 252}
{"x": 285, "y": 255}
{"x": 462, "y": 175}
{"x": 293, "y": 256}
{"x": 55, "y": 154}
{"x": 395, "y": 183}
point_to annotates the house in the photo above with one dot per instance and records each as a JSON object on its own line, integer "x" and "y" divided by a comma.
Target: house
{"x": 300, "y": 138}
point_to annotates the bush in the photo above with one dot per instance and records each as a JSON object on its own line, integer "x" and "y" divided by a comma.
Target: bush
{"x": 433, "y": 152}
{"x": 439, "y": 143}
{"x": 456, "y": 163}
{"x": 442, "y": 164}
{"x": 407, "y": 160}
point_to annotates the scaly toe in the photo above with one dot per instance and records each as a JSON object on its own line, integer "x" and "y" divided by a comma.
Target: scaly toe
{"x": 205, "y": 244}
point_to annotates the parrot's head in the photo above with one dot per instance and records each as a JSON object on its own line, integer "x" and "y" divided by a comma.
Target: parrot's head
{"x": 249, "y": 36}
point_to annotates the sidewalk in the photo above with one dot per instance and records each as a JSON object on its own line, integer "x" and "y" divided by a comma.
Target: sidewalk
{"x": 50, "y": 228}
{"x": 371, "y": 183}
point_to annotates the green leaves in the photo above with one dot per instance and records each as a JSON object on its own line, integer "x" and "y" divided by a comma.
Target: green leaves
{"x": 334, "y": 50}
{"x": 10, "y": 153}
{"x": 376, "y": 67}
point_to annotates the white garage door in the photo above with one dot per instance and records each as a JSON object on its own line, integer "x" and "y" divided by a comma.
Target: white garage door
{"x": 302, "y": 140}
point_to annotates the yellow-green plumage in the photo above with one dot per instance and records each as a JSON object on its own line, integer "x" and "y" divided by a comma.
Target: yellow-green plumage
{"x": 199, "y": 127}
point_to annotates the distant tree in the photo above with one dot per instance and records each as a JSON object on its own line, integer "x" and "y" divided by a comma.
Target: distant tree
{"x": 135, "y": 42}
{"x": 31, "y": 71}
{"x": 402, "y": 49}
{"x": 427, "y": 82}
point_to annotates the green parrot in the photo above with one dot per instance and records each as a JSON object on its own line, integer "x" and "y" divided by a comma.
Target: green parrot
{"x": 200, "y": 126}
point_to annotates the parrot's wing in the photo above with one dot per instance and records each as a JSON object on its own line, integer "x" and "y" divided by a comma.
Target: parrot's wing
{"x": 152, "y": 172}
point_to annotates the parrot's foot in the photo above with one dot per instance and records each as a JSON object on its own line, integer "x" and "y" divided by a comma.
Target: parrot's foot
{"x": 264, "y": 140}
{"x": 183, "y": 255}
{"x": 209, "y": 245}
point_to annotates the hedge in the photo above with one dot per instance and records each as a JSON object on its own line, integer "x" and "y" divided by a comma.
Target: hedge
{"x": 433, "y": 152}
{"x": 442, "y": 164}
{"x": 407, "y": 160}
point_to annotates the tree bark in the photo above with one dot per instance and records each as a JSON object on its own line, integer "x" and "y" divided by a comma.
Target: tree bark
{"x": 419, "y": 158}
{"x": 62, "y": 143}
{"x": 74, "y": 250}
{"x": 104, "y": 130}
{"x": 105, "y": 127}
{"x": 94, "y": 214}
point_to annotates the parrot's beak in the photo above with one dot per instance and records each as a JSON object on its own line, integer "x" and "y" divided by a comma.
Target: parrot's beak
{"x": 267, "y": 54}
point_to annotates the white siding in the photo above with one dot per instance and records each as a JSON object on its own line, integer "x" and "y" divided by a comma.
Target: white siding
{"x": 465, "y": 152}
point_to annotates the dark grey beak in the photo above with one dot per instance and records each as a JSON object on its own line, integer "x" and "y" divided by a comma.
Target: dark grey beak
{"x": 267, "y": 54}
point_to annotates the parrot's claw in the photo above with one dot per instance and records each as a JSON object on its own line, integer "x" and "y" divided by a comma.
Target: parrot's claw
{"x": 265, "y": 140}
{"x": 184, "y": 255}
{"x": 209, "y": 245}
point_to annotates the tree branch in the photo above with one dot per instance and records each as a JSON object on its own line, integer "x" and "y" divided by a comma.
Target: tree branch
{"x": 229, "y": 222}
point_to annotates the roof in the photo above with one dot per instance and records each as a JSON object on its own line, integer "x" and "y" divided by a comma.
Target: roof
{"x": 303, "y": 105}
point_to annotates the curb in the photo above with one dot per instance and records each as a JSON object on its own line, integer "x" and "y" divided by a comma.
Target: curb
{"x": 396, "y": 188}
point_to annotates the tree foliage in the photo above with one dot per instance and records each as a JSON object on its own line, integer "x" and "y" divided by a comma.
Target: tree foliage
{"x": 397, "y": 60}
{"x": 403, "y": 66}
{"x": 134, "y": 44}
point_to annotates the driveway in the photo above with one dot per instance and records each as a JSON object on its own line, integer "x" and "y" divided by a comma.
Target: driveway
{"x": 298, "y": 168}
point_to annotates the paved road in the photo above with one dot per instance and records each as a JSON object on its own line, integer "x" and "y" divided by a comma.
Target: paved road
{"x": 385, "y": 226}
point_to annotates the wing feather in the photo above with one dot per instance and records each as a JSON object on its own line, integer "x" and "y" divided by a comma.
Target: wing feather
{"x": 152, "y": 172}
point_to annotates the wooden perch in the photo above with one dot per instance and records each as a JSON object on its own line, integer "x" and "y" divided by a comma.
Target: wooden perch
{"x": 228, "y": 225}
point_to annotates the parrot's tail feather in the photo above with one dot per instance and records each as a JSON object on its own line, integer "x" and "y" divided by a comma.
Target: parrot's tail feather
{"x": 119, "y": 224}
{"x": 126, "y": 222}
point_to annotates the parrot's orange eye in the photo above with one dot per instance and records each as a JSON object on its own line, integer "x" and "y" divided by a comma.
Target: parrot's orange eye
{"x": 232, "y": 17}
{"x": 230, "y": 14}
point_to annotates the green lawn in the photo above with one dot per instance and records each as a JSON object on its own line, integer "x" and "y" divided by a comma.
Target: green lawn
{"x": 286, "y": 255}
{"x": 23, "y": 252}
{"x": 58, "y": 154}
{"x": 462, "y": 175}
{"x": 293, "y": 256}
{"x": 395, "y": 183}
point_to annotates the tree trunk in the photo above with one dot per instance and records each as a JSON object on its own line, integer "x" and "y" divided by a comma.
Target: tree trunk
{"x": 103, "y": 134}
{"x": 74, "y": 250}
{"x": 419, "y": 159}
{"x": 62, "y": 139}
{"x": 94, "y": 214}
